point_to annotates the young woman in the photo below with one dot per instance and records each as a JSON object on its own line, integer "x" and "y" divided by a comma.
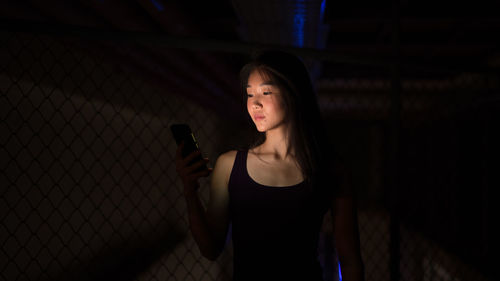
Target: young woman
{"x": 276, "y": 192}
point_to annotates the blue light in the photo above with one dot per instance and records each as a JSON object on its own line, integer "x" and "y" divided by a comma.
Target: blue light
{"x": 158, "y": 5}
{"x": 340, "y": 273}
{"x": 322, "y": 10}
{"x": 299, "y": 20}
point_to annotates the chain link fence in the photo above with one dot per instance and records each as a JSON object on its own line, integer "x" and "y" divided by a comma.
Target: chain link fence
{"x": 434, "y": 223}
{"x": 89, "y": 188}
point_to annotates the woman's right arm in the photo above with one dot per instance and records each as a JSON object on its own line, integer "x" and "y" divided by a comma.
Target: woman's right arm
{"x": 209, "y": 227}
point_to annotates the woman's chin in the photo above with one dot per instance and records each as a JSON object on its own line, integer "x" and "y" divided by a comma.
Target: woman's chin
{"x": 260, "y": 128}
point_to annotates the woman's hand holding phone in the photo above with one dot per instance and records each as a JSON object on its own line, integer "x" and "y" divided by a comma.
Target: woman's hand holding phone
{"x": 188, "y": 172}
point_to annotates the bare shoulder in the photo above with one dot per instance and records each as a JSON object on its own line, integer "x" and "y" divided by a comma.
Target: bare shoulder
{"x": 224, "y": 166}
{"x": 228, "y": 155}
{"x": 226, "y": 159}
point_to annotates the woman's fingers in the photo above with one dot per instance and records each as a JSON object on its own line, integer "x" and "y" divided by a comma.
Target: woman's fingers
{"x": 203, "y": 173}
{"x": 186, "y": 169}
{"x": 190, "y": 157}
{"x": 196, "y": 165}
{"x": 181, "y": 162}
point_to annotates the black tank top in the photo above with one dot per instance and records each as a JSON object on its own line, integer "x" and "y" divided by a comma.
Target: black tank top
{"x": 274, "y": 229}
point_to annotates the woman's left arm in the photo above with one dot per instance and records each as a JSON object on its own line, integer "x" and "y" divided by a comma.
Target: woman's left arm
{"x": 346, "y": 232}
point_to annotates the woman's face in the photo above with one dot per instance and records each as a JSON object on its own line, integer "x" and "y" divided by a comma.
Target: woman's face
{"x": 264, "y": 102}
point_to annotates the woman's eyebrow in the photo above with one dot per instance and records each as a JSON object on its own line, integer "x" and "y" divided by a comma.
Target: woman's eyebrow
{"x": 268, "y": 83}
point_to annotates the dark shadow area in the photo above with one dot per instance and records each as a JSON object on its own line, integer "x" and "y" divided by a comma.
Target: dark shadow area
{"x": 126, "y": 261}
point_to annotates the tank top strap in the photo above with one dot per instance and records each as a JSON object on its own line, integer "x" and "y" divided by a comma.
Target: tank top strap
{"x": 238, "y": 170}
{"x": 240, "y": 161}
{"x": 243, "y": 157}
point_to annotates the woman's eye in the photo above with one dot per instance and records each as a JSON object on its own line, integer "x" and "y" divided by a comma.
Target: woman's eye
{"x": 264, "y": 93}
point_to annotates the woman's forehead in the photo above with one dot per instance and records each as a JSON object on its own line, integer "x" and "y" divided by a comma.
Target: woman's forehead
{"x": 259, "y": 78}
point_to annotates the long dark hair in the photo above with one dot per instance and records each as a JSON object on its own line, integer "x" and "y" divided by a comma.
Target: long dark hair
{"x": 308, "y": 137}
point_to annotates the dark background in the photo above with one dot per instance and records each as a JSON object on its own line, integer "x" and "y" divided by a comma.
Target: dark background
{"x": 409, "y": 91}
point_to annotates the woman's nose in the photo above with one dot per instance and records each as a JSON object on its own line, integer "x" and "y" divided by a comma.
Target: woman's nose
{"x": 256, "y": 103}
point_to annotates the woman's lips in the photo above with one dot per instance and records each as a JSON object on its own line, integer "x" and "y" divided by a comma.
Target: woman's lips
{"x": 259, "y": 117}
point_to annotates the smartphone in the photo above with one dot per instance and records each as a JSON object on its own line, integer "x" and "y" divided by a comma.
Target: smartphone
{"x": 182, "y": 132}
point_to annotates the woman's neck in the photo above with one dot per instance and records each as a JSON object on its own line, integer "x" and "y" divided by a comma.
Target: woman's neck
{"x": 276, "y": 144}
